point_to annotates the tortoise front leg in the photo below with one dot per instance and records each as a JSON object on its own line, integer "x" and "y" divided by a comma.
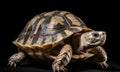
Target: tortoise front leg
{"x": 62, "y": 59}
{"x": 100, "y": 56}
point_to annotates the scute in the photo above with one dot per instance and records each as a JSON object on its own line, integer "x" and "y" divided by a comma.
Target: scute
{"x": 44, "y": 31}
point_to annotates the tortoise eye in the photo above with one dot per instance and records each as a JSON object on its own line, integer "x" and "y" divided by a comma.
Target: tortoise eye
{"x": 95, "y": 34}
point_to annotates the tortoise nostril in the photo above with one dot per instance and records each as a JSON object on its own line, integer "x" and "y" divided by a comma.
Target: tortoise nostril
{"x": 103, "y": 33}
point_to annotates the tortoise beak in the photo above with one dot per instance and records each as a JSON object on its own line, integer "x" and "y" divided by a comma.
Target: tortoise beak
{"x": 103, "y": 36}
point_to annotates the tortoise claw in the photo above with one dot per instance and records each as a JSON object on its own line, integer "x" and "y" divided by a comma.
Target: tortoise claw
{"x": 104, "y": 65}
{"x": 12, "y": 64}
{"x": 58, "y": 68}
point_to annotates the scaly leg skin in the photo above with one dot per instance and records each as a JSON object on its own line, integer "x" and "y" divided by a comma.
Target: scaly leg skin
{"x": 16, "y": 58}
{"x": 100, "y": 57}
{"x": 62, "y": 59}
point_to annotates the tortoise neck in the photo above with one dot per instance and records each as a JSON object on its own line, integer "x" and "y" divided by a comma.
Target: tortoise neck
{"x": 76, "y": 42}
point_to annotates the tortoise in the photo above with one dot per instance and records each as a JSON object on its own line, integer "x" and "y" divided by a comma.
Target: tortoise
{"x": 59, "y": 36}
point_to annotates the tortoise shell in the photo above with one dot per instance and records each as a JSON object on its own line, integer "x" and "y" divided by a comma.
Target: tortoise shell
{"x": 46, "y": 30}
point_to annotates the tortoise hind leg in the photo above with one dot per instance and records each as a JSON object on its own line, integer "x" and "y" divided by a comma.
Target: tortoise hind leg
{"x": 16, "y": 58}
{"x": 62, "y": 59}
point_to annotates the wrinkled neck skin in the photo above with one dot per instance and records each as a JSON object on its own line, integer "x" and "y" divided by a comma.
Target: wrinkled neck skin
{"x": 79, "y": 44}
{"x": 76, "y": 43}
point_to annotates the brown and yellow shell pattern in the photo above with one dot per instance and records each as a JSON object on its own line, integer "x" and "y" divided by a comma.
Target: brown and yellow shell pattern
{"x": 45, "y": 30}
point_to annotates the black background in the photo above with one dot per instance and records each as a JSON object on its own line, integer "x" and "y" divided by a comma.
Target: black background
{"x": 97, "y": 14}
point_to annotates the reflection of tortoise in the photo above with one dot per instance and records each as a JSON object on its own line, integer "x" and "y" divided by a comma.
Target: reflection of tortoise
{"x": 59, "y": 36}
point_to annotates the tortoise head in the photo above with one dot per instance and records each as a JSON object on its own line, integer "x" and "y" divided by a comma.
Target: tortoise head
{"x": 93, "y": 38}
